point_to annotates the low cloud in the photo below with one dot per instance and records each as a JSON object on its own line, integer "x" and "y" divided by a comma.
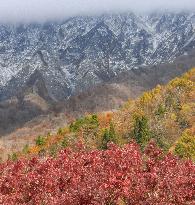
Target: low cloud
{"x": 43, "y": 10}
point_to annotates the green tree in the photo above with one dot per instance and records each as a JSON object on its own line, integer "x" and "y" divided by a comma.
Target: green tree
{"x": 64, "y": 143}
{"x": 40, "y": 141}
{"x": 94, "y": 119}
{"x": 26, "y": 149}
{"x": 89, "y": 121}
{"x": 185, "y": 147}
{"x": 141, "y": 130}
{"x": 112, "y": 133}
{"x": 14, "y": 157}
{"x": 160, "y": 110}
{"x": 105, "y": 139}
{"x": 109, "y": 136}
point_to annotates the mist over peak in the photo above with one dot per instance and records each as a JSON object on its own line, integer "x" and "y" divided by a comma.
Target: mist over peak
{"x": 14, "y": 11}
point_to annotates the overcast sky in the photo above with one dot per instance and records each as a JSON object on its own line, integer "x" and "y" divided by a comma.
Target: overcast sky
{"x": 42, "y": 10}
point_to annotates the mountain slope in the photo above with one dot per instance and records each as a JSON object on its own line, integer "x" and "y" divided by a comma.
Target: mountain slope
{"x": 169, "y": 111}
{"x": 33, "y": 101}
{"x": 165, "y": 114}
{"x": 81, "y": 52}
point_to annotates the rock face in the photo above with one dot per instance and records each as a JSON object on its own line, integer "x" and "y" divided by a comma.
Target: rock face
{"x": 71, "y": 56}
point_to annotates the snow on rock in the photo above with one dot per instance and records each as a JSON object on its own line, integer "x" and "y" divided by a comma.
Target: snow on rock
{"x": 83, "y": 51}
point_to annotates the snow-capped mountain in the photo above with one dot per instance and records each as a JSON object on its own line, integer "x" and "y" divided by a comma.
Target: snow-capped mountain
{"x": 80, "y": 52}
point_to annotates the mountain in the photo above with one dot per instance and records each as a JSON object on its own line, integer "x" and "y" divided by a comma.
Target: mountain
{"x": 74, "y": 55}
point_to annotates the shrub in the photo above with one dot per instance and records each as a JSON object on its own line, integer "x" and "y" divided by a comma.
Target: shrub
{"x": 91, "y": 120}
{"x": 14, "y": 157}
{"x": 53, "y": 150}
{"x": 99, "y": 177}
{"x": 60, "y": 131}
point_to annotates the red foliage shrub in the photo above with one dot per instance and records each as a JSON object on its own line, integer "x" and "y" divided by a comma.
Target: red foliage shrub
{"x": 99, "y": 177}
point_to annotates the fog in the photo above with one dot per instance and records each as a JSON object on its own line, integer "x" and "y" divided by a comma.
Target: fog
{"x": 44, "y": 10}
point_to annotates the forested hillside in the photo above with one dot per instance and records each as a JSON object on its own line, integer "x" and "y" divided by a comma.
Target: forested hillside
{"x": 141, "y": 154}
{"x": 165, "y": 114}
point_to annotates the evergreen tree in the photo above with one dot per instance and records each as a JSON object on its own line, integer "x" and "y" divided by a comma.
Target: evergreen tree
{"x": 40, "y": 141}
{"x": 141, "y": 130}
{"x": 112, "y": 133}
{"x": 109, "y": 136}
{"x": 105, "y": 139}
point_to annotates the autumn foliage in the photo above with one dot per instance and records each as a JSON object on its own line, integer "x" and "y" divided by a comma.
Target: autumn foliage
{"x": 111, "y": 158}
{"x": 166, "y": 114}
{"x": 114, "y": 176}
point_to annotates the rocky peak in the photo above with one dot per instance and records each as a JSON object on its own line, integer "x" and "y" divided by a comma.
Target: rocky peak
{"x": 84, "y": 51}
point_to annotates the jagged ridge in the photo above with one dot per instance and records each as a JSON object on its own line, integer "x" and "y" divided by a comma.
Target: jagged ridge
{"x": 83, "y": 51}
